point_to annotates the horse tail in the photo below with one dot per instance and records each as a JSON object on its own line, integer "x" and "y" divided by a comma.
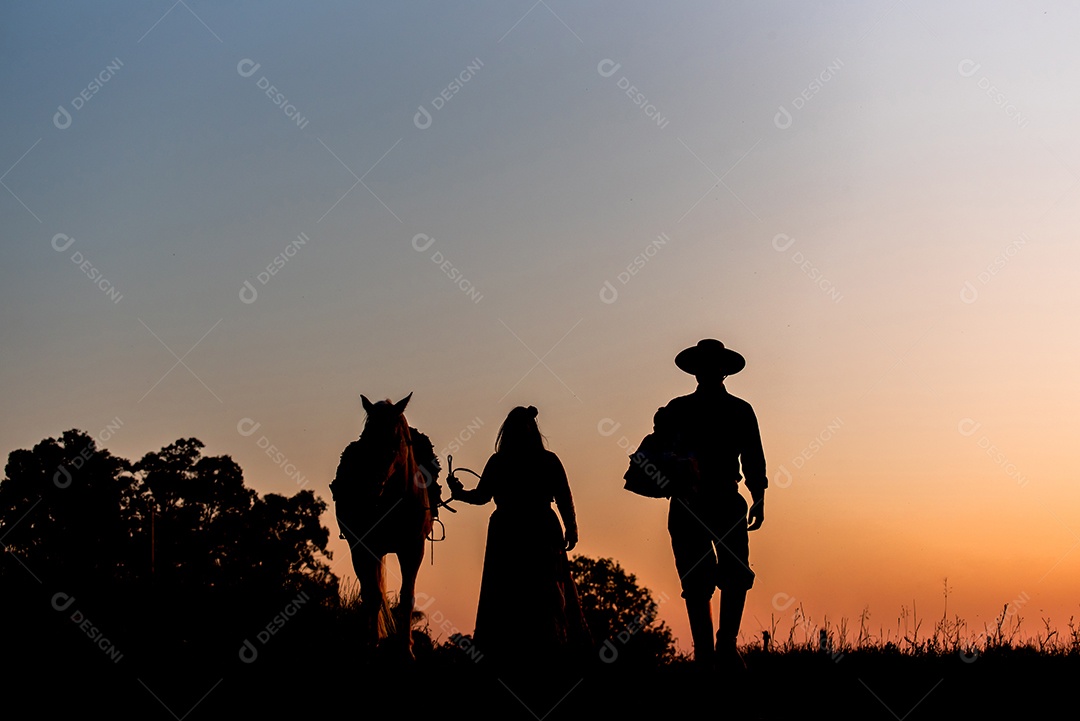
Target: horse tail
{"x": 385, "y": 617}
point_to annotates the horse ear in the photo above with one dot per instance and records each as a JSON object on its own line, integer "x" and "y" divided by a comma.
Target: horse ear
{"x": 400, "y": 405}
{"x": 368, "y": 405}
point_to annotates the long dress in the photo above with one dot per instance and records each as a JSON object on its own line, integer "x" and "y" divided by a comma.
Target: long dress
{"x": 528, "y": 607}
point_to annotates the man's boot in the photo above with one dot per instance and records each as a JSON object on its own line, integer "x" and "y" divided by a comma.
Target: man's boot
{"x": 732, "y": 603}
{"x": 699, "y": 611}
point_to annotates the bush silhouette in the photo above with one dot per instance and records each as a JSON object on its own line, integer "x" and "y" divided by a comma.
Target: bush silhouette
{"x": 622, "y": 615}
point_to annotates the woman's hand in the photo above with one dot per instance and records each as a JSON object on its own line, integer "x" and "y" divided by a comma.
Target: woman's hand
{"x": 455, "y": 486}
{"x": 571, "y": 539}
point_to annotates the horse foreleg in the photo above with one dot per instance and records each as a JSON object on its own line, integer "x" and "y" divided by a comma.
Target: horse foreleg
{"x": 410, "y": 561}
{"x": 369, "y": 572}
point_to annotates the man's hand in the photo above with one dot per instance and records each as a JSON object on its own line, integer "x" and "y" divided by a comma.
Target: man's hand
{"x": 757, "y": 514}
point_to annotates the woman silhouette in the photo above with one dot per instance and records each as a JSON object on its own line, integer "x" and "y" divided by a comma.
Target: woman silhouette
{"x": 528, "y": 608}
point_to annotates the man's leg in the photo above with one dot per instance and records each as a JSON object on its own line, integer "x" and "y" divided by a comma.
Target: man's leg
{"x": 734, "y": 578}
{"x": 695, "y": 561}
{"x": 732, "y": 602}
{"x": 699, "y": 611}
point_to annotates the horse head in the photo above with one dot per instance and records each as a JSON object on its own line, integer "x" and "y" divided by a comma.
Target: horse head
{"x": 386, "y": 442}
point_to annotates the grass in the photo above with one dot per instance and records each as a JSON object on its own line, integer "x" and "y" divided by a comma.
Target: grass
{"x": 948, "y": 636}
{"x": 909, "y": 636}
{"x": 910, "y": 669}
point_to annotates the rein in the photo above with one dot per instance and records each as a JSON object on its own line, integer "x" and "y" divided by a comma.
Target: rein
{"x": 450, "y": 472}
{"x": 446, "y": 505}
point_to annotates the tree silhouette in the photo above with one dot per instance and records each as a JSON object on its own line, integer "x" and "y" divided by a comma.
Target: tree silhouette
{"x": 69, "y": 508}
{"x": 176, "y": 529}
{"x": 622, "y": 615}
{"x": 211, "y": 531}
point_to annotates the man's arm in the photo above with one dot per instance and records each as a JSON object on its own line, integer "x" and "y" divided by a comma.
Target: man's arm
{"x": 752, "y": 457}
{"x": 756, "y": 516}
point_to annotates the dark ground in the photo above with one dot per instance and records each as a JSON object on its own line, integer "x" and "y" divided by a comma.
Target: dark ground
{"x": 59, "y": 672}
{"x": 179, "y": 660}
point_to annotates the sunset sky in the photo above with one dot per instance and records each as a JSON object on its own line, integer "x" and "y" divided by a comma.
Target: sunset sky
{"x": 216, "y": 216}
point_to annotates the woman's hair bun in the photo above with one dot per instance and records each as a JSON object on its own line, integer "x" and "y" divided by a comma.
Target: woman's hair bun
{"x": 532, "y": 411}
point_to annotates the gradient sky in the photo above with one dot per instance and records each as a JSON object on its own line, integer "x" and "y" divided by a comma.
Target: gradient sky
{"x": 870, "y": 201}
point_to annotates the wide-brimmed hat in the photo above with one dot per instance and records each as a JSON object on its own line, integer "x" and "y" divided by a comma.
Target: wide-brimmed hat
{"x": 710, "y": 355}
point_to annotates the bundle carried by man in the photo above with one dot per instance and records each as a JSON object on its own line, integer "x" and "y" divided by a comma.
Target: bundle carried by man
{"x": 659, "y": 467}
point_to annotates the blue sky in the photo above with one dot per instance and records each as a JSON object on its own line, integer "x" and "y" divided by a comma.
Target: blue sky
{"x": 832, "y": 181}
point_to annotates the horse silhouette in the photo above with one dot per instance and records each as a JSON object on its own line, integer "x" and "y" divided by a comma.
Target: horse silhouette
{"x": 381, "y": 498}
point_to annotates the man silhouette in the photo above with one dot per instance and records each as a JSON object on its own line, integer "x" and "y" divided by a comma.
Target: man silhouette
{"x": 709, "y": 520}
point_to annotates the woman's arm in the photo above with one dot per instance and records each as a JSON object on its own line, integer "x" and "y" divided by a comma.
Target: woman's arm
{"x": 564, "y": 501}
{"x": 482, "y": 493}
